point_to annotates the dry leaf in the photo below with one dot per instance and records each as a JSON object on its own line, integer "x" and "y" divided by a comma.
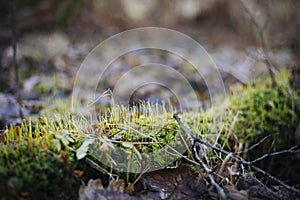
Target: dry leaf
{"x": 77, "y": 173}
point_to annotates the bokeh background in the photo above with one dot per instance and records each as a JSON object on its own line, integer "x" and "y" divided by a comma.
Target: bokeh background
{"x": 53, "y": 38}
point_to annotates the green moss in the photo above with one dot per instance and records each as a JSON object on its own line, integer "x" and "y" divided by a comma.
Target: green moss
{"x": 39, "y": 145}
{"x": 37, "y": 161}
{"x": 265, "y": 111}
{"x": 34, "y": 173}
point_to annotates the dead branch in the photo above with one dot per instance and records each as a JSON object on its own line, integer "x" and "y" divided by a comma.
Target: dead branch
{"x": 209, "y": 173}
{"x": 261, "y": 34}
{"x": 234, "y": 158}
{"x": 291, "y": 150}
{"x": 198, "y": 158}
{"x": 253, "y": 146}
{"x": 14, "y": 60}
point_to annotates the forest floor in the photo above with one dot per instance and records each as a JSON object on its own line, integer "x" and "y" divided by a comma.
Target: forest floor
{"x": 54, "y": 152}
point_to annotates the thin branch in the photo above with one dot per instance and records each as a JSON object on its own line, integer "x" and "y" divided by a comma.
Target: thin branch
{"x": 95, "y": 166}
{"x": 190, "y": 135}
{"x": 224, "y": 162}
{"x": 254, "y": 146}
{"x": 234, "y": 158}
{"x": 291, "y": 150}
{"x": 183, "y": 156}
{"x": 199, "y": 159}
{"x": 209, "y": 173}
{"x": 262, "y": 39}
{"x": 14, "y": 60}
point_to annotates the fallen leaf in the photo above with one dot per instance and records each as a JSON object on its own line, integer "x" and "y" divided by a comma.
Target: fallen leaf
{"x": 174, "y": 183}
{"x": 83, "y": 149}
{"x": 77, "y": 173}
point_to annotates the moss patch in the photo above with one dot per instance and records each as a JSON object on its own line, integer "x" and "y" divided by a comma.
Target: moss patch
{"x": 39, "y": 158}
{"x": 34, "y": 173}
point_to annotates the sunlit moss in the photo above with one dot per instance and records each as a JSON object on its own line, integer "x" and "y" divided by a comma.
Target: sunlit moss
{"x": 265, "y": 111}
{"x": 249, "y": 112}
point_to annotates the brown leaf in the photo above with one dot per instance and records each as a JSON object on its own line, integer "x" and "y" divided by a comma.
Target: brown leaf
{"x": 77, "y": 173}
{"x": 174, "y": 183}
{"x": 233, "y": 143}
{"x": 129, "y": 189}
{"x": 95, "y": 191}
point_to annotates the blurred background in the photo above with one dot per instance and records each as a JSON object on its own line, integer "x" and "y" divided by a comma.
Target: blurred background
{"x": 53, "y": 38}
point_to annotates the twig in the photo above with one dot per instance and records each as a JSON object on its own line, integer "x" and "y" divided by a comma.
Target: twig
{"x": 199, "y": 159}
{"x": 183, "y": 156}
{"x": 253, "y": 146}
{"x": 291, "y": 150}
{"x": 189, "y": 134}
{"x": 234, "y": 158}
{"x": 223, "y": 165}
{"x": 14, "y": 60}
{"x": 262, "y": 39}
{"x": 209, "y": 173}
{"x": 98, "y": 168}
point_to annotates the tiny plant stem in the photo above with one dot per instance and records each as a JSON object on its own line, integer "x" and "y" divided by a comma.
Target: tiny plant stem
{"x": 261, "y": 34}
{"x": 14, "y": 61}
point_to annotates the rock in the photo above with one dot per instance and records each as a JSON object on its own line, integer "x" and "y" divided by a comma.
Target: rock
{"x": 29, "y": 85}
{"x": 10, "y": 110}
